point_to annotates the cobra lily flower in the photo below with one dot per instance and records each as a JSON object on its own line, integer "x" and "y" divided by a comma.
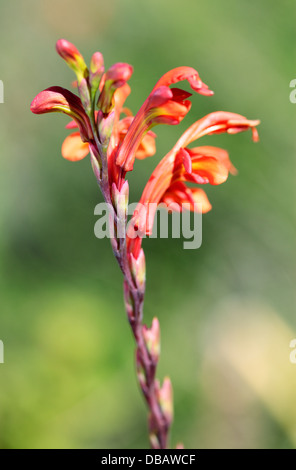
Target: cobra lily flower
{"x": 200, "y": 165}
{"x": 58, "y": 99}
{"x": 163, "y": 106}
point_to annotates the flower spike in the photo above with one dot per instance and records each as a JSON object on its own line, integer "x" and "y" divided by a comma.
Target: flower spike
{"x": 114, "y": 138}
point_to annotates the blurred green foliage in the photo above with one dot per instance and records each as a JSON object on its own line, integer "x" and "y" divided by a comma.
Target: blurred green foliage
{"x": 68, "y": 378}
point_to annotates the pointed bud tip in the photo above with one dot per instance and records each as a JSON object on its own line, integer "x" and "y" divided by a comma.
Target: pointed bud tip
{"x": 119, "y": 72}
{"x": 66, "y": 49}
{"x": 152, "y": 338}
{"x": 125, "y": 189}
{"x": 165, "y": 396}
{"x": 139, "y": 269}
{"x": 72, "y": 57}
{"x": 97, "y": 62}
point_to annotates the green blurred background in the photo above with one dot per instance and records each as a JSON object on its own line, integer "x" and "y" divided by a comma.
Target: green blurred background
{"x": 227, "y": 310}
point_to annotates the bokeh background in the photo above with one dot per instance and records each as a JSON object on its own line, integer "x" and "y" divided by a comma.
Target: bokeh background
{"x": 227, "y": 310}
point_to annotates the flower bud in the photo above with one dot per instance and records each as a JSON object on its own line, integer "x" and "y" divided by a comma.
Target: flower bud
{"x": 138, "y": 268}
{"x": 96, "y": 72}
{"x": 140, "y": 372}
{"x": 165, "y": 399}
{"x": 84, "y": 95}
{"x": 152, "y": 339}
{"x": 105, "y": 127}
{"x": 120, "y": 201}
{"x": 129, "y": 304}
{"x": 95, "y": 163}
{"x": 73, "y": 58}
{"x": 116, "y": 77}
{"x": 154, "y": 442}
{"x": 120, "y": 197}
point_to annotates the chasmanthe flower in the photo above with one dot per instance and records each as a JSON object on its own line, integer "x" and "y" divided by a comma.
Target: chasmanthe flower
{"x": 104, "y": 128}
{"x": 60, "y": 100}
{"x": 164, "y": 105}
{"x": 200, "y": 165}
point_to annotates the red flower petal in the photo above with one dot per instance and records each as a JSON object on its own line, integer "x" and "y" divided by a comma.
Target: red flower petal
{"x": 178, "y": 194}
{"x": 216, "y": 152}
{"x": 184, "y": 73}
{"x": 216, "y": 123}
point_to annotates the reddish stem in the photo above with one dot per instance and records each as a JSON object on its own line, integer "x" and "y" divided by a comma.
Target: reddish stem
{"x": 158, "y": 423}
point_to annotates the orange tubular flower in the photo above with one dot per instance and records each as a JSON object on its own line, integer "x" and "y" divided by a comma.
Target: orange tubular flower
{"x": 58, "y": 99}
{"x": 163, "y": 106}
{"x": 147, "y": 145}
{"x": 199, "y": 165}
